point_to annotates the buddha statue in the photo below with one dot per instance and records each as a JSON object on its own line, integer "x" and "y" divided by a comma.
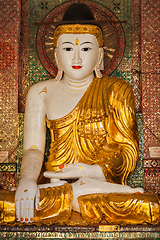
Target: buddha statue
{"x": 94, "y": 137}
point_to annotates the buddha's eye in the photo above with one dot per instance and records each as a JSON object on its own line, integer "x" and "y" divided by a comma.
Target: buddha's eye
{"x": 85, "y": 49}
{"x": 68, "y": 49}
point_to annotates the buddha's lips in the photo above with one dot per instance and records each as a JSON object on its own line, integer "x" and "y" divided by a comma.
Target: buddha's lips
{"x": 76, "y": 67}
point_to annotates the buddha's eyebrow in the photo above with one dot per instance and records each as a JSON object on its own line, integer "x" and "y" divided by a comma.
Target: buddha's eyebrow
{"x": 86, "y": 42}
{"x": 68, "y": 42}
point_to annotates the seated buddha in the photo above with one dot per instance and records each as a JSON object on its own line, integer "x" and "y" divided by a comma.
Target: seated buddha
{"x": 94, "y": 137}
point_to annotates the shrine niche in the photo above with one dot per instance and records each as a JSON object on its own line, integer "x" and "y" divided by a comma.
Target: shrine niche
{"x": 124, "y": 63}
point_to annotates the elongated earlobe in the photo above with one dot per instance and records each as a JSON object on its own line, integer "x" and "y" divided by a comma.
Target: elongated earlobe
{"x": 59, "y": 75}
{"x": 98, "y": 72}
{"x": 97, "y": 68}
{"x": 60, "y": 70}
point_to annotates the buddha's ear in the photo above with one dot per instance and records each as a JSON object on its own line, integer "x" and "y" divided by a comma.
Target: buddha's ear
{"x": 101, "y": 55}
{"x": 60, "y": 70}
{"x": 99, "y": 61}
{"x": 56, "y": 57}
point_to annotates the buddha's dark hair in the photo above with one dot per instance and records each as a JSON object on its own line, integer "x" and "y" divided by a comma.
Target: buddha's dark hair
{"x": 79, "y": 13}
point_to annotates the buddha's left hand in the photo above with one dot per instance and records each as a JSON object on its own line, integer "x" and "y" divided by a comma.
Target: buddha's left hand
{"x": 75, "y": 171}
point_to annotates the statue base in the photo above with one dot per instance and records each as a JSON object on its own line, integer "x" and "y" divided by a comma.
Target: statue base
{"x": 103, "y": 231}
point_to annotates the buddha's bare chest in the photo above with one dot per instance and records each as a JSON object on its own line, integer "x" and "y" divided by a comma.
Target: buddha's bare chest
{"x": 60, "y": 104}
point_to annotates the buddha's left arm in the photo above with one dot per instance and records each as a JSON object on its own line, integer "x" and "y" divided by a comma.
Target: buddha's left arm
{"x": 122, "y": 137}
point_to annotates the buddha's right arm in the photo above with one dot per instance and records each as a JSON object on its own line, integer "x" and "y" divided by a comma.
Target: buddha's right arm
{"x": 27, "y": 188}
{"x": 31, "y": 164}
{"x": 33, "y": 153}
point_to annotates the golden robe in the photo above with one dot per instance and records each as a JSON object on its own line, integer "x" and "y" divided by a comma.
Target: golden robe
{"x": 101, "y": 129}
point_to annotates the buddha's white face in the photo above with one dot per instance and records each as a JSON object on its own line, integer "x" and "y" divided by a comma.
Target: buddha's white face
{"x": 77, "y": 55}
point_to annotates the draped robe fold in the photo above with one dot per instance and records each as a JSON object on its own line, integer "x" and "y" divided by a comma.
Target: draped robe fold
{"x": 101, "y": 129}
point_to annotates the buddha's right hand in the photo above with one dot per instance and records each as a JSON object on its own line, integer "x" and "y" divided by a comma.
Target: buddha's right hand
{"x": 24, "y": 200}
